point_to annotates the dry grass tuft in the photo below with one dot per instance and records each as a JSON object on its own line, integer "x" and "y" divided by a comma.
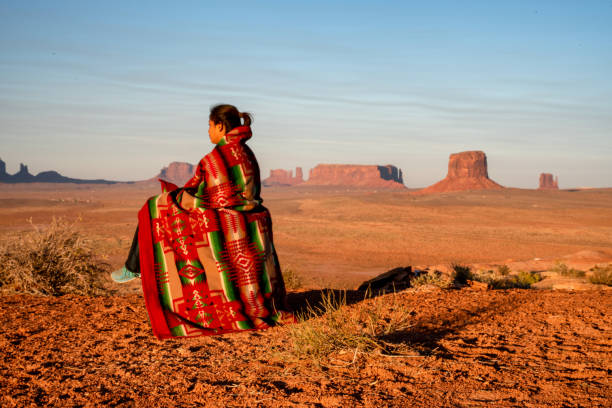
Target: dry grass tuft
{"x": 292, "y": 279}
{"x": 427, "y": 278}
{"x": 50, "y": 261}
{"x": 332, "y": 327}
{"x": 563, "y": 270}
{"x": 602, "y": 275}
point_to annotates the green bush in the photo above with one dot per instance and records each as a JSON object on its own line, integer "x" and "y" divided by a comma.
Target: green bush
{"x": 50, "y": 261}
{"x": 461, "y": 274}
{"x": 523, "y": 280}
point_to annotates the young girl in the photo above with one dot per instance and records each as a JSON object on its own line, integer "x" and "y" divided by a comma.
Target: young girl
{"x": 205, "y": 251}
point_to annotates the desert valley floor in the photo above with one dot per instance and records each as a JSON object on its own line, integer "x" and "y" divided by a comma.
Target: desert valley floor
{"x": 546, "y": 346}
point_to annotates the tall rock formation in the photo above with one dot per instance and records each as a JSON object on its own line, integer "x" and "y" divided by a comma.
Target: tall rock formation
{"x": 177, "y": 172}
{"x": 466, "y": 171}
{"x": 392, "y": 173}
{"x": 356, "y": 175}
{"x": 3, "y": 173}
{"x": 280, "y": 177}
{"x": 548, "y": 182}
{"x": 23, "y": 175}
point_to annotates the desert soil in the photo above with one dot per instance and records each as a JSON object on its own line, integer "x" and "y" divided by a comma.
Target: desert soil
{"x": 465, "y": 347}
{"x": 470, "y": 348}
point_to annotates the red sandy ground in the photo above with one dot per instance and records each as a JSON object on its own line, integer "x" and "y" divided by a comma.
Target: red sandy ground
{"x": 471, "y": 348}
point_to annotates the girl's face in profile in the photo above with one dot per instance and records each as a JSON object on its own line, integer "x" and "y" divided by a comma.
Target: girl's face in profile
{"x": 215, "y": 131}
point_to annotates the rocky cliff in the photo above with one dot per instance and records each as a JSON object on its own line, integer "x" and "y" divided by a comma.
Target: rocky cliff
{"x": 466, "y": 171}
{"x": 356, "y": 175}
{"x": 548, "y": 182}
{"x": 177, "y": 172}
{"x": 280, "y": 177}
{"x": 24, "y": 176}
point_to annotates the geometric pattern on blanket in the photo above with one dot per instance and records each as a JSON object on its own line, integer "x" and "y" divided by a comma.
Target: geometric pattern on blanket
{"x": 208, "y": 263}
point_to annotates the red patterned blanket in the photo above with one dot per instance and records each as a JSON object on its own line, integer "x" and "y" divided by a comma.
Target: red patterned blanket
{"x": 207, "y": 258}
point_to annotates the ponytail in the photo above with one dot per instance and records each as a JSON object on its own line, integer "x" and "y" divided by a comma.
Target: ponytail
{"x": 229, "y": 116}
{"x": 246, "y": 118}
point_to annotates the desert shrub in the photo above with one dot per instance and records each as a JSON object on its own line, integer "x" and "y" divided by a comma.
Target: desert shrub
{"x": 523, "y": 280}
{"x": 50, "y": 261}
{"x": 602, "y": 275}
{"x": 292, "y": 279}
{"x": 427, "y": 278}
{"x": 526, "y": 279}
{"x": 332, "y": 326}
{"x": 503, "y": 270}
{"x": 461, "y": 274}
{"x": 563, "y": 270}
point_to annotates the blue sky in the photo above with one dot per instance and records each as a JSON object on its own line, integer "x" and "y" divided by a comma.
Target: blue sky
{"x": 117, "y": 90}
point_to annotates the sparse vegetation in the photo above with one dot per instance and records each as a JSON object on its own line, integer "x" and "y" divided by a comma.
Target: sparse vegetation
{"x": 427, "y": 278}
{"x": 461, "y": 274}
{"x": 50, "y": 261}
{"x": 602, "y": 275}
{"x": 526, "y": 279}
{"x": 523, "y": 280}
{"x": 332, "y": 326}
{"x": 563, "y": 270}
{"x": 292, "y": 279}
{"x": 503, "y": 270}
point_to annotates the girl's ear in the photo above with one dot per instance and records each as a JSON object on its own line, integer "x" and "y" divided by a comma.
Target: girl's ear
{"x": 220, "y": 128}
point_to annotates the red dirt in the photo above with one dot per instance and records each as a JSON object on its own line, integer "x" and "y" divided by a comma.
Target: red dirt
{"x": 477, "y": 348}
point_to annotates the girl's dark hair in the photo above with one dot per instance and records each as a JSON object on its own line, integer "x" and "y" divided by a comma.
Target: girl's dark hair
{"x": 229, "y": 116}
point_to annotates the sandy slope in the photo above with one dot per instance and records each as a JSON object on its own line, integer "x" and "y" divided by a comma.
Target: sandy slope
{"x": 471, "y": 348}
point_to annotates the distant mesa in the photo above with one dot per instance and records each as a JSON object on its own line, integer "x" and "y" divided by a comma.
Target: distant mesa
{"x": 176, "y": 172}
{"x": 280, "y": 177}
{"x": 356, "y": 176}
{"x": 24, "y": 176}
{"x": 466, "y": 171}
{"x": 548, "y": 182}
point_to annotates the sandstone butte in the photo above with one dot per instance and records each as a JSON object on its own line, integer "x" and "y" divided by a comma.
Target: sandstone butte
{"x": 356, "y": 175}
{"x": 280, "y": 177}
{"x": 466, "y": 171}
{"x": 176, "y": 172}
{"x": 548, "y": 182}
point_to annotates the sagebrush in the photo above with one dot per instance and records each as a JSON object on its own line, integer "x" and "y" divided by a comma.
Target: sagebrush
{"x": 602, "y": 275}
{"x": 427, "y": 278}
{"x": 503, "y": 270}
{"x": 523, "y": 280}
{"x": 563, "y": 270}
{"x": 53, "y": 260}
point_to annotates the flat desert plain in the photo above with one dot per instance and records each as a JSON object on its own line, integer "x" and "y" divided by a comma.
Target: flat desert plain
{"x": 546, "y": 346}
